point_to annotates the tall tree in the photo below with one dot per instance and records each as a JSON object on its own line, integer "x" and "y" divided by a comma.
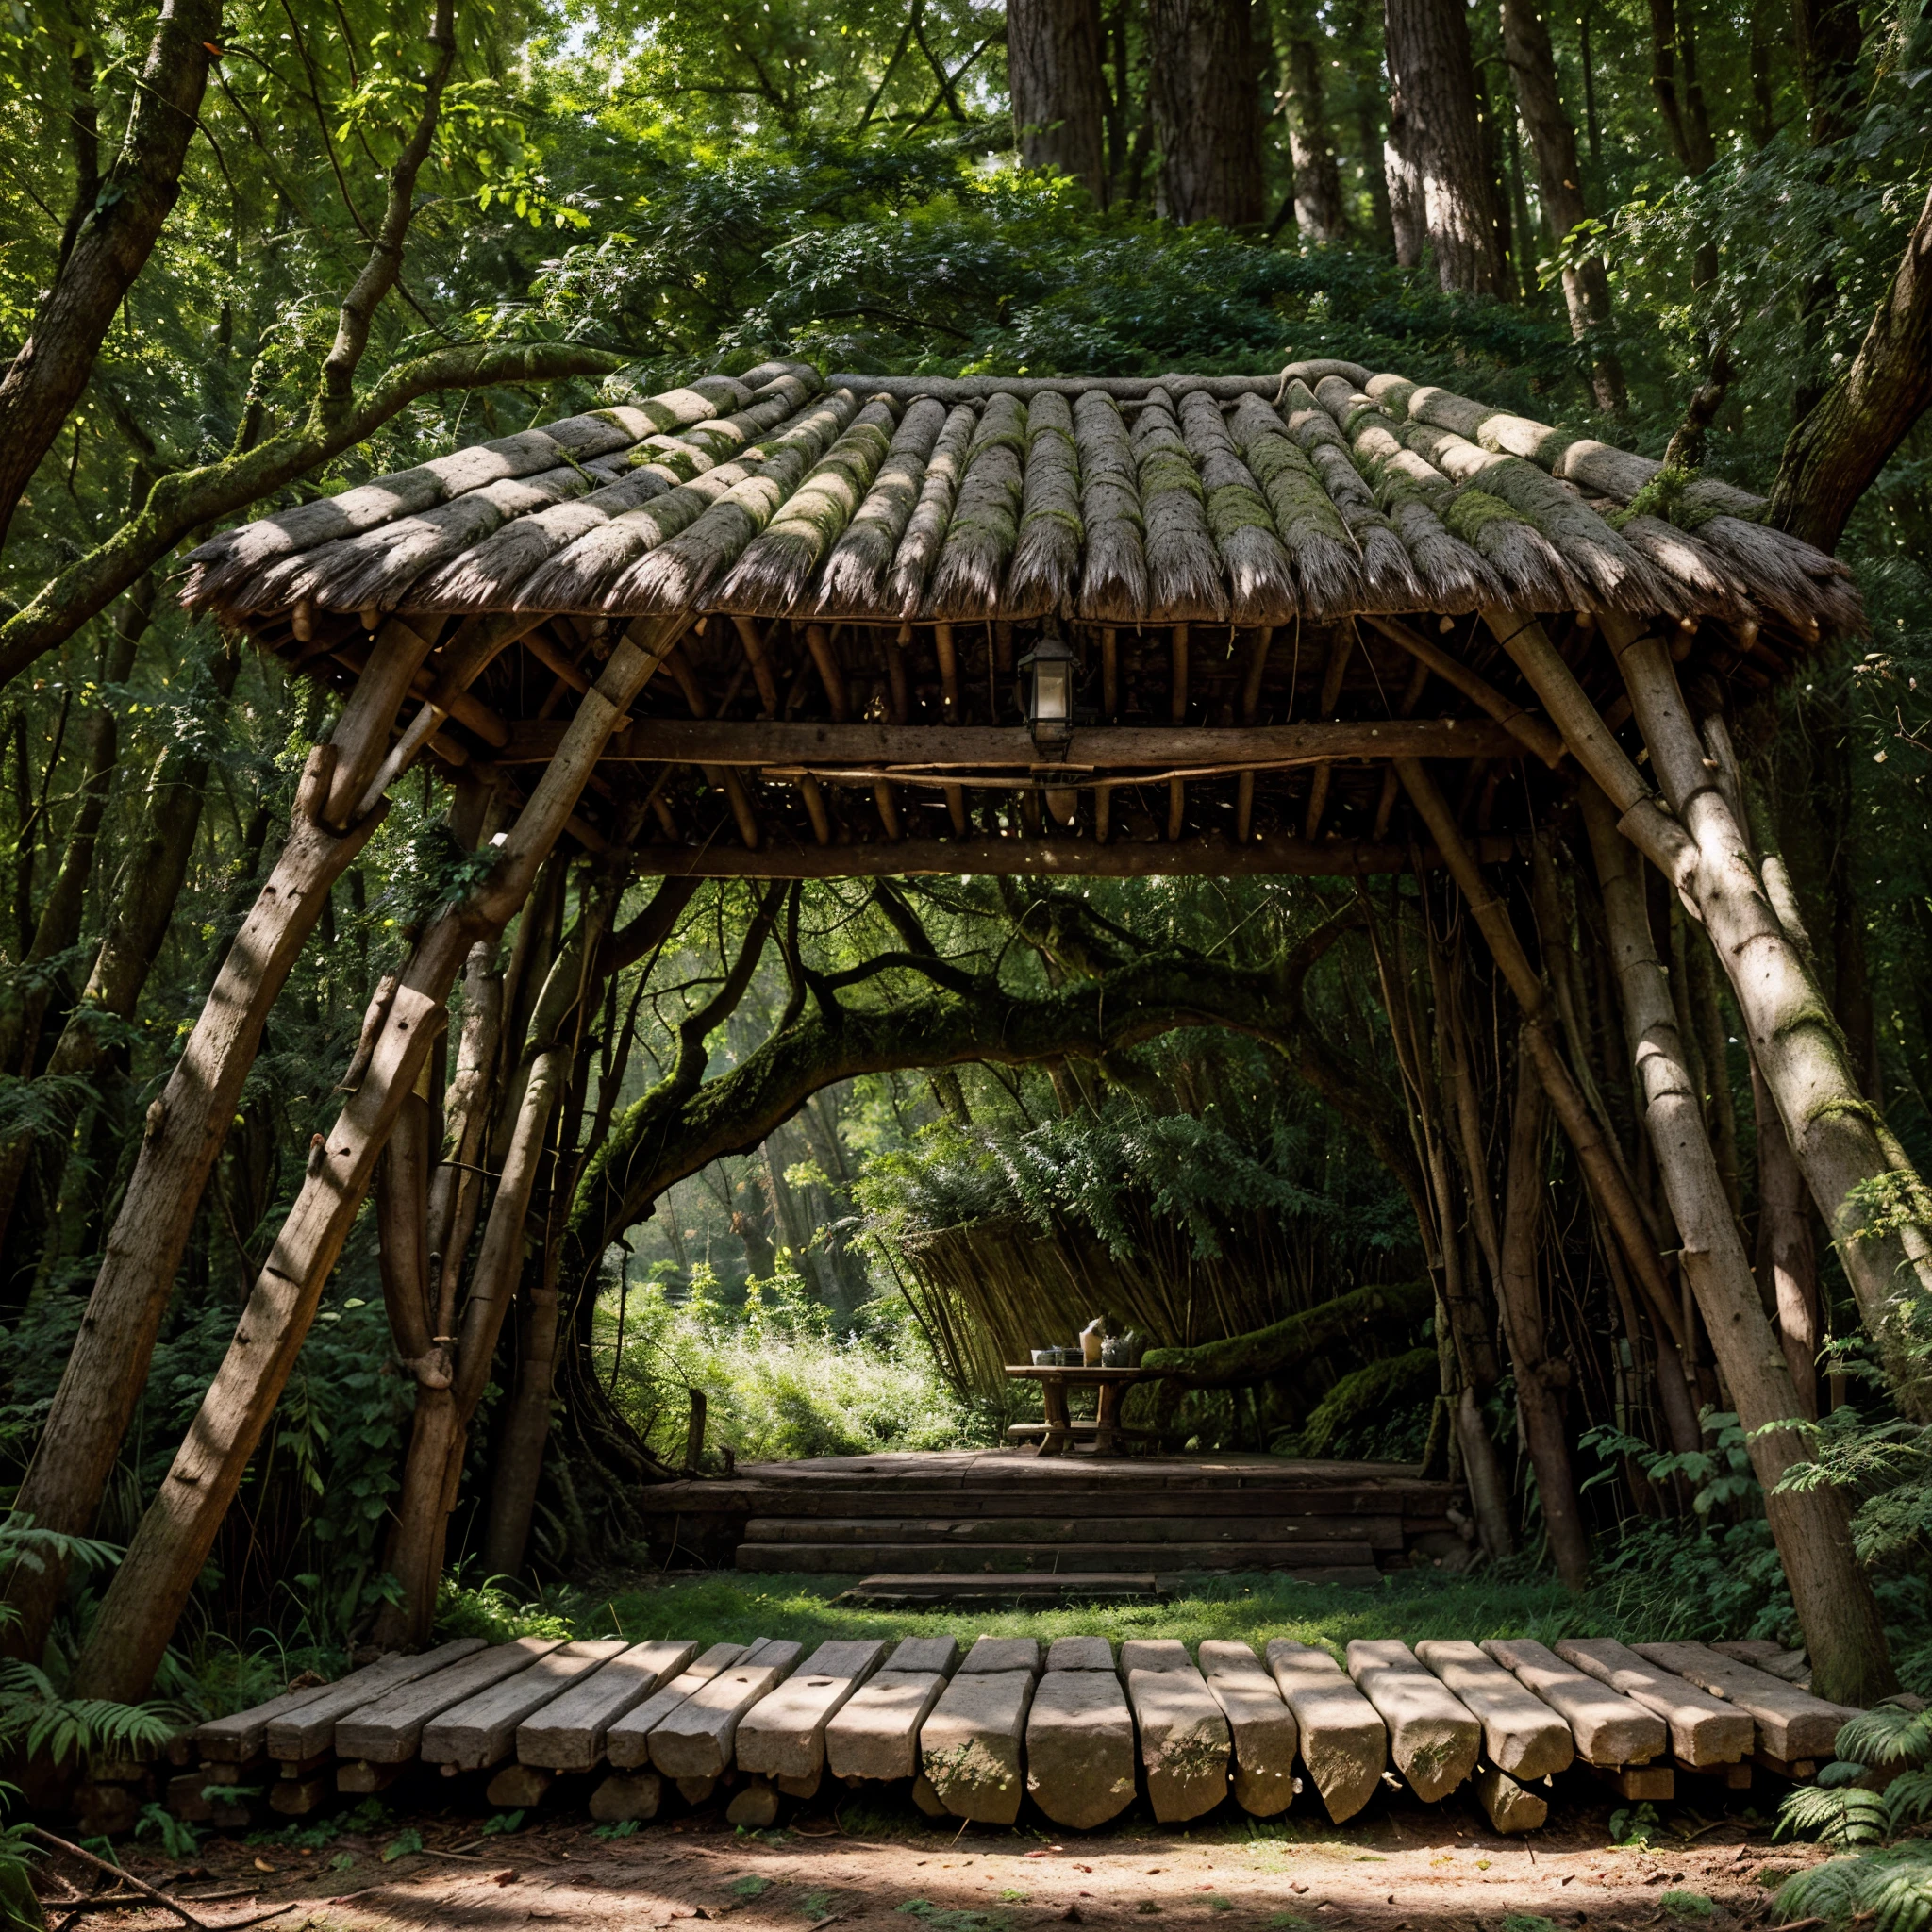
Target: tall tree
{"x": 1318, "y": 209}
{"x": 1054, "y": 69}
{"x": 1558, "y": 177}
{"x": 109, "y": 234}
{"x": 1440, "y": 185}
{"x": 1207, "y": 114}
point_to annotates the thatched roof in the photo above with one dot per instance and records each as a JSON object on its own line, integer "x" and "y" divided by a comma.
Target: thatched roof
{"x": 1324, "y": 492}
{"x": 1274, "y": 588}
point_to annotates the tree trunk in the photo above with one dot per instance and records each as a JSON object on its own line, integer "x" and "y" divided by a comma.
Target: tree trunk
{"x": 144, "y": 907}
{"x": 1438, "y": 142}
{"x": 1830, "y": 39}
{"x": 152, "y": 1586}
{"x": 1318, "y": 211}
{"x": 181, "y": 1140}
{"x": 108, "y": 247}
{"x": 1836, "y": 452}
{"x": 1552, "y": 140}
{"x": 1786, "y": 1261}
{"x": 58, "y": 925}
{"x": 1839, "y": 1136}
{"x": 1207, "y": 116}
{"x": 1539, "y": 1382}
{"x": 1053, "y": 69}
{"x": 1835, "y": 1604}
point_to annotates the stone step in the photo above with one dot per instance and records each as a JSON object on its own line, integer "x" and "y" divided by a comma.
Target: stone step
{"x": 979, "y": 1587}
{"x": 1359, "y": 1532}
{"x": 841, "y": 1557}
{"x": 1423, "y": 1503}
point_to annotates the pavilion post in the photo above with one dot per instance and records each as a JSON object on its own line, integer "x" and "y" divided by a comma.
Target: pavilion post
{"x": 1842, "y": 1628}
{"x": 174, "y": 1537}
{"x": 1852, "y": 1165}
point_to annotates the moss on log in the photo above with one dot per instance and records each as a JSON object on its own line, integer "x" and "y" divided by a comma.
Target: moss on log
{"x": 1382, "y": 1390}
{"x": 1244, "y": 1360}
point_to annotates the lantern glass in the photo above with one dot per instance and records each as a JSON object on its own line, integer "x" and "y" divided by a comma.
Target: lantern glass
{"x": 1050, "y": 690}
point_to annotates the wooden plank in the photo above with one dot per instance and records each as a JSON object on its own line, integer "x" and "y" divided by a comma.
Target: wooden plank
{"x": 968, "y": 747}
{"x": 696, "y": 1740}
{"x": 1791, "y": 1723}
{"x": 1512, "y": 1808}
{"x": 1608, "y": 1727}
{"x": 1521, "y": 1735}
{"x": 1080, "y": 1748}
{"x": 970, "y": 1748}
{"x": 481, "y": 1730}
{"x": 1433, "y": 1735}
{"x": 1003, "y": 1654}
{"x": 1081, "y": 1653}
{"x": 783, "y": 1736}
{"x": 1343, "y": 1741}
{"x": 627, "y": 1739}
{"x": 1264, "y": 1730}
{"x": 876, "y": 1735}
{"x": 836, "y": 1558}
{"x": 388, "y": 1730}
{"x": 1704, "y": 1731}
{"x": 941, "y": 1653}
{"x": 1639, "y": 1783}
{"x": 236, "y": 1739}
{"x": 1353, "y": 1534}
{"x": 1185, "y": 1742}
{"x": 568, "y": 1734}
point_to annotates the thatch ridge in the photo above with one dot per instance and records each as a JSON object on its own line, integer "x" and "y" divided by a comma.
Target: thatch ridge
{"x": 854, "y": 575}
{"x": 777, "y": 566}
{"x": 1614, "y": 576}
{"x": 984, "y": 524}
{"x": 1260, "y": 578}
{"x": 578, "y": 576}
{"x": 1454, "y": 575}
{"x": 919, "y": 548}
{"x": 680, "y": 571}
{"x": 1113, "y": 584}
{"x": 1183, "y": 566}
{"x": 378, "y": 567}
{"x": 1327, "y": 566}
{"x": 1047, "y": 558}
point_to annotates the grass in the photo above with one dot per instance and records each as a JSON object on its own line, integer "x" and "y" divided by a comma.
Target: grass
{"x": 738, "y": 1606}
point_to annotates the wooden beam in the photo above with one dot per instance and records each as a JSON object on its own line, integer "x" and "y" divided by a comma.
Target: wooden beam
{"x": 949, "y": 670}
{"x": 1546, "y": 744}
{"x": 1067, "y": 857}
{"x": 1251, "y": 703}
{"x": 818, "y": 641}
{"x": 938, "y": 747}
{"x": 760, "y": 664}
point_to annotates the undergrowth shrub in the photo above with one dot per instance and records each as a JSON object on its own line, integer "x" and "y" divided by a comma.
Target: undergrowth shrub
{"x": 779, "y": 1382}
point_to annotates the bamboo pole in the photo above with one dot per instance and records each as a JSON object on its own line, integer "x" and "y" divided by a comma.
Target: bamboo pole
{"x": 1661, "y": 839}
{"x": 1532, "y": 731}
{"x": 1854, "y": 1167}
{"x": 1593, "y": 1151}
{"x": 145, "y": 1599}
{"x": 1842, "y": 1628}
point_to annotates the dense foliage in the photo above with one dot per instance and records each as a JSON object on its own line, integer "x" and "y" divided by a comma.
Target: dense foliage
{"x": 615, "y": 196}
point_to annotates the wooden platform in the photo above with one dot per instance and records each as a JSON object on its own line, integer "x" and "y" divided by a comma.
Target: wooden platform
{"x": 1008, "y": 1512}
{"x": 1078, "y": 1726}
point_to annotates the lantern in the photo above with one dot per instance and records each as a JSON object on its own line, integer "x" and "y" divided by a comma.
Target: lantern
{"x": 1048, "y": 669}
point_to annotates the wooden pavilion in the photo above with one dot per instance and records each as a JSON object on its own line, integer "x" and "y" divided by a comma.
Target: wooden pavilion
{"x": 1271, "y": 589}
{"x": 1330, "y": 622}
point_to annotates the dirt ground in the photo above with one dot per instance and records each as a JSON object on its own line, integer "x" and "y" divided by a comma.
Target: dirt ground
{"x": 1402, "y": 1866}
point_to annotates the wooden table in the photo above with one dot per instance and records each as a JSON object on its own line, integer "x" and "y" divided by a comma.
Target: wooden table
{"x": 1053, "y": 1384}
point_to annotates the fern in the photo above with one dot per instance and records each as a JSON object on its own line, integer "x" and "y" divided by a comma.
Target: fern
{"x": 1892, "y": 1887}
{"x": 1907, "y": 1801}
{"x": 1887, "y": 1736}
{"x": 1844, "y": 1817}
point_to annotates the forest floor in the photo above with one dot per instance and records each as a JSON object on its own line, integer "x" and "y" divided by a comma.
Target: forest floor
{"x": 1401, "y": 1867}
